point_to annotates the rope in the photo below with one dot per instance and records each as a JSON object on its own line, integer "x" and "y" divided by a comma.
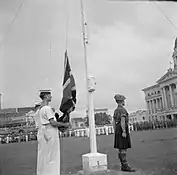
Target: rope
{"x": 67, "y": 22}
{"x": 61, "y": 154}
{"x": 163, "y": 13}
{"x": 5, "y": 34}
{"x": 11, "y": 23}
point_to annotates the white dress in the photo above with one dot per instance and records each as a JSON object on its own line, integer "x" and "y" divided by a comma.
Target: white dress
{"x": 49, "y": 152}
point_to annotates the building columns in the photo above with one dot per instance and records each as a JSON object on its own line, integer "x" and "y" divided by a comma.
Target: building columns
{"x": 161, "y": 103}
{"x": 171, "y": 96}
{"x": 148, "y": 106}
{"x": 175, "y": 95}
{"x": 152, "y": 111}
{"x": 164, "y": 98}
{"x": 155, "y": 105}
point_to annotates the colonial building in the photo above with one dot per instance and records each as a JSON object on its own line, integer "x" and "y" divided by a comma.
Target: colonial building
{"x": 138, "y": 116}
{"x": 78, "y": 122}
{"x": 161, "y": 98}
{"x": 16, "y": 116}
{"x": 99, "y": 110}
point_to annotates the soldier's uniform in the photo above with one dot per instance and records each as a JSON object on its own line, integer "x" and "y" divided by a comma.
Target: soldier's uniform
{"x": 120, "y": 142}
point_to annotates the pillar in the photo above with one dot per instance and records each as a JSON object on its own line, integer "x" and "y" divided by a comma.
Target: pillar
{"x": 164, "y": 98}
{"x": 161, "y": 103}
{"x": 151, "y": 107}
{"x": 82, "y": 133}
{"x": 69, "y": 133}
{"x": 26, "y": 137}
{"x": 175, "y": 96}
{"x": 88, "y": 132}
{"x": 155, "y": 105}
{"x": 171, "y": 96}
{"x": 106, "y": 129}
{"x": 148, "y": 107}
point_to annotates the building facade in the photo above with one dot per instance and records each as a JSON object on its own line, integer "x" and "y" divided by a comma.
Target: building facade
{"x": 161, "y": 98}
{"x": 139, "y": 116}
{"x": 78, "y": 123}
{"x": 99, "y": 110}
{"x": 16, "y": 116}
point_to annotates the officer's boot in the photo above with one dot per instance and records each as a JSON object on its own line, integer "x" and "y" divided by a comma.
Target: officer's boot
{"x": 124, "y": 164}
{"x": 120, "y": 158}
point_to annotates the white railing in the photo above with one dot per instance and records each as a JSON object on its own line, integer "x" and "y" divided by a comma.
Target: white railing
{"x": 84, "y": 132}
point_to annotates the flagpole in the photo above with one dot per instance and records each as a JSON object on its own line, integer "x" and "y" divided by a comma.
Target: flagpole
{"x": 92, "y": 161}
{"x": 90, "y": 105}
{"x": 85, "y": 42}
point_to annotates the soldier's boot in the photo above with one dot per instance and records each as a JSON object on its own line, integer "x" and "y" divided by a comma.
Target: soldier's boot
{"x": 124, "y": 164}
{"x": 120, "y": 158}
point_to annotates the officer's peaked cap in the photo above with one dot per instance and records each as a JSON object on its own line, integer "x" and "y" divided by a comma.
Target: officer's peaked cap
{"x": 119, "y": 97}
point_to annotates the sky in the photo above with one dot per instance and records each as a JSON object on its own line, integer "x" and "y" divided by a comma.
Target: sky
{"x": 130, "y": 47}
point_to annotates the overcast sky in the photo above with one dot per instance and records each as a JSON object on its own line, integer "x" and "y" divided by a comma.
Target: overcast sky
{"x": 130, "y": 46}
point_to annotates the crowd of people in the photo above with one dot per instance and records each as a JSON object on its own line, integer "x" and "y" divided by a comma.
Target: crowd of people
{"x": 19, "y": 134}
{"x": 149, "y": 125}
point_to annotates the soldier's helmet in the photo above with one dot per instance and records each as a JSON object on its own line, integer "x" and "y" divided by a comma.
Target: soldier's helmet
{"x": 119, "y": 97}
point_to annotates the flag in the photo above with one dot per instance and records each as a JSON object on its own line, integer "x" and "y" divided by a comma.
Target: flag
{"x": 175, "y": 49}
{"x": 175, "y": 46}
{"x": 69, "y": 89}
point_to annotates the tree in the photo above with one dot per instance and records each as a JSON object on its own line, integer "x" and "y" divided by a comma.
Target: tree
{"x": 100, "y": 119}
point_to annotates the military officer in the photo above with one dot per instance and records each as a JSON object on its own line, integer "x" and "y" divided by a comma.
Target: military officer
{"x": 122, "y": 137}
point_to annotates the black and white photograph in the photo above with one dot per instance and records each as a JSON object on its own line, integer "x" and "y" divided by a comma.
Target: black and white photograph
{"x": 88, "y": 87}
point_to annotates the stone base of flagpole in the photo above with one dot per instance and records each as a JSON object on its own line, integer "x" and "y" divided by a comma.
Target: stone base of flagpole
{"x": 113, "y": 172}
{"x": 94, "y": 162}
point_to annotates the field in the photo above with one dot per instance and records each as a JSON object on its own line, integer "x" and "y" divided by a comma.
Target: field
{"x": 152, "y": 151}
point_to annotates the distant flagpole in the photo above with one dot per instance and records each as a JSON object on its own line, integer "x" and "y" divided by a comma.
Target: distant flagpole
{"x": 1, "y": 47}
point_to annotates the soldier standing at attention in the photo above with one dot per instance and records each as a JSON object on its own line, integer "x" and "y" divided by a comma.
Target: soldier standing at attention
{"x": 122, "y": 137}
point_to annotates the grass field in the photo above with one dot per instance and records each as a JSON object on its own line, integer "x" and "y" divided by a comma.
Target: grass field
{"x": 152, "y": 151}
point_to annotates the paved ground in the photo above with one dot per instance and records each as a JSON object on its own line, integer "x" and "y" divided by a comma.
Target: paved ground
{"x": 153, "y": 152}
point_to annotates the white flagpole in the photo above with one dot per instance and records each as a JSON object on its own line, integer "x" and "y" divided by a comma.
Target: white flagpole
{"x": 92, "y": 161}
{"x": 90, "y": 105}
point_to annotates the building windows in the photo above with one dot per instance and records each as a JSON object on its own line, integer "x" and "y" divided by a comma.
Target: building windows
{"x": 81, "y": 124}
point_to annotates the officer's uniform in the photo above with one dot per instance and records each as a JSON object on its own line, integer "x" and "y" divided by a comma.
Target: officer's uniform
{"x": 119, "y": 141}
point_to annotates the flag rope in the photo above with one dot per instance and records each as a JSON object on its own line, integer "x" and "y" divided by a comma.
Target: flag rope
{"x": 163, "y": 13}
{"x": 61, "y": 134}
{"x": 67, "y": 23}
{"x": 11, "y": 23}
